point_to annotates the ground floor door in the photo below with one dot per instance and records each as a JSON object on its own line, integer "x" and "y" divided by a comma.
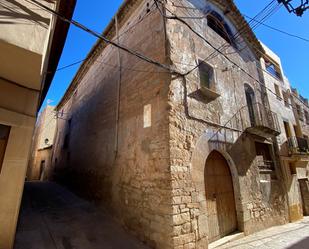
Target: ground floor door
{"x": 219, "y": 197}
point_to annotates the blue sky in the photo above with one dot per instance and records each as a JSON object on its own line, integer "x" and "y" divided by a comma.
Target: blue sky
{"x": 294, "y": 53}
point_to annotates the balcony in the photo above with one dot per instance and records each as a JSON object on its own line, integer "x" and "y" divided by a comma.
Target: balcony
{"x": 298, "y": 146}
{"x": 298, "y": 149}
{"x": 261, "y": 120}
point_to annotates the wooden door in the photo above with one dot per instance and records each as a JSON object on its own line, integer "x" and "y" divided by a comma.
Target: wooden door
{"x": 219, "y": 197}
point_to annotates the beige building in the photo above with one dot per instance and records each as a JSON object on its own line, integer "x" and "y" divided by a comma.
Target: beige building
{"x": 299, "y": 146}
{"x": 41, "y": 152}
{"x": 280, "y": 102}
{"x": 31, "y": 42}
{"x": 181, "y": 161}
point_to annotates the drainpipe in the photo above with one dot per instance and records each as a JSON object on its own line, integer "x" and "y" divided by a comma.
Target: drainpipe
{"x": 118, "y": 91}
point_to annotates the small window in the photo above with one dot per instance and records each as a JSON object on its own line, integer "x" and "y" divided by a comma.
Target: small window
{"x": 287, "y": 129}
{"x": 273, "y": 69}
{"x": 286, "y": 99}
{"x": 299, "y": 113}
{"x": 216, "y": 23}
{"x": 277, "y": 90}
{"x": 206, "y": 73}
{"x": 306, "y": 117}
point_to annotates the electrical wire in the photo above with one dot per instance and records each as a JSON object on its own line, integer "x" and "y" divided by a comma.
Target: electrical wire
{"x": 223, "y": 46}
{"x": 175, "y": 17}
{"x": 141, "y": 56}
{"x": 103, "y": 38}
{"x": 278, "y": 30}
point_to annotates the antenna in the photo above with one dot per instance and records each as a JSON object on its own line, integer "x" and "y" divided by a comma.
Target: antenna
{"x": 299, "y": 11}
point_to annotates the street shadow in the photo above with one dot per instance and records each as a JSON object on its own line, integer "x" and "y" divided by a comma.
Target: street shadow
{"x": 303, "y": 244}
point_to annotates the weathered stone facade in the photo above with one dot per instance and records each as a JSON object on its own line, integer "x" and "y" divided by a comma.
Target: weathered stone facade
{"x": 137, "y": 139}
{"x": 193, "y": 121}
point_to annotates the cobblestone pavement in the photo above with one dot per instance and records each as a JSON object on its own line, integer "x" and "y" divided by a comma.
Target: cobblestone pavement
{"x": 289, "y": 236}
{"x": 51, "y": 217}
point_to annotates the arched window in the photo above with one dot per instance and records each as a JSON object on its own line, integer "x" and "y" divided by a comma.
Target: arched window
{"x": 216, "y": 23}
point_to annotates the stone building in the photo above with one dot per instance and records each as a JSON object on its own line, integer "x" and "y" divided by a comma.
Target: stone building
{"x": 31, "y": 42}
{"x": 182, "y": 159}
{"x": 41, "y": 152}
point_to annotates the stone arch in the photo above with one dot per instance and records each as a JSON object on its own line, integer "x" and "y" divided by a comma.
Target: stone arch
{"x": 198, "y": 162}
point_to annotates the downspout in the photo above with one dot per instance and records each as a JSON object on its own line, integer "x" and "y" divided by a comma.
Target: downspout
{"x": 118, "y": 91}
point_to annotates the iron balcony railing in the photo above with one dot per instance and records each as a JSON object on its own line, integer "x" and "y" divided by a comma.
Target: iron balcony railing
{"x": 298, "y": 145}
{"x": 255, "y": 116}
{"x": 262, "y": 117}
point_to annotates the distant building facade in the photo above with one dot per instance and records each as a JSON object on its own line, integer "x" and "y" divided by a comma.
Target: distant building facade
{"x": 294, "y": 160}
{"x": 31, "y": 42}
{"x": 180, "y": 161}
{"x": 299, "y": 146}
{"x": 43, "y": 139}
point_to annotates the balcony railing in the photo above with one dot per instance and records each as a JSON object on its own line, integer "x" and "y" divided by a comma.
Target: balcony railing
{"x": 298, "y": 145}
{"x": 256, "y": 119}
{"x": 261, "y": 120}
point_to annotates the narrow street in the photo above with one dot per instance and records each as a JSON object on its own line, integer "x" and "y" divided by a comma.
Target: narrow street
{"x": 289, "y": 236}
{"x": 51, "y": 217}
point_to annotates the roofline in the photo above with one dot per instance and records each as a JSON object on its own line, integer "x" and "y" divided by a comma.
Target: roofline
{"x": 122, "y": 12}
{"x": 99, "y": 45}
{"x": 65, "y": 8}
{"x": 247, "y": 32}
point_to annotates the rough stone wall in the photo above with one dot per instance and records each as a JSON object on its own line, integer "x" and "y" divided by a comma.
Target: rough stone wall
{"x": 193, "y": 120}
{"x": 129, "y": 175}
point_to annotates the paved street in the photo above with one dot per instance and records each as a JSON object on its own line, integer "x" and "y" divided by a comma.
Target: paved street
{"x": 289, "y": 236}
{"x": 53, "y": 218}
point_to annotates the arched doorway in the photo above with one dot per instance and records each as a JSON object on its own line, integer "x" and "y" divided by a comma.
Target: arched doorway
{"x": 222, "y": 219}
{"x": 250, "y": 97}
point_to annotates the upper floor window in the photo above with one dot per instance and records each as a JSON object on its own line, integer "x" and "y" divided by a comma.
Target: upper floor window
{"x": 286, "y": 99}
{"x": 273, "y": 68}
{"x": 299, "y": 113}
{"x": 306, "y": 117}
{"x": 277, "y": 90}
{"x": 206, "y": 73}
{"x": 216, "y": 23}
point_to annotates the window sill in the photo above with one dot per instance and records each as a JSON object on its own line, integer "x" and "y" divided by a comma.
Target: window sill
{"x": 208, "y": 93}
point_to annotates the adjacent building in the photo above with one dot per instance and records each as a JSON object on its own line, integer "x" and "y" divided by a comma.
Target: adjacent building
{"x": 182, "y": 159}
{"x": 31, "y": 42}
{"x": 41, "y": 152}
{"x": 299, "y": 146}
{"x": 281, "y": 103}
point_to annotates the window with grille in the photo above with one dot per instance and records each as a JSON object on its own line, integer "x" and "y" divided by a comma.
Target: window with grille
{"x": 217, "y": 24}
{"x": 273, "y": 68}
